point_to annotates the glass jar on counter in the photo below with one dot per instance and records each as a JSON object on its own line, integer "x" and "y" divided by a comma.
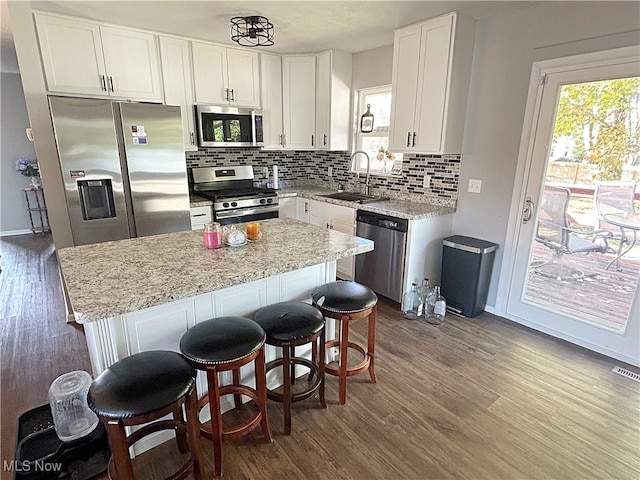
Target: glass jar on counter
{"x": 212, "y": 235}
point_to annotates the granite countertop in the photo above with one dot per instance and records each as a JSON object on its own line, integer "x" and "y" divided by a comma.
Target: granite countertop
{"x": 113, "y": 278}
{"x": 197, "y": 201}
{"x": 394, "y": 207}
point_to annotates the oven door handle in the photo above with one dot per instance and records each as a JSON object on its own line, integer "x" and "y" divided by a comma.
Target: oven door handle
{"x": 246, "y": 211}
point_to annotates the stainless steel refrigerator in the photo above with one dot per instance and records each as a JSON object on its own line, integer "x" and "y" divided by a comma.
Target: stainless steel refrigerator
{"x": 123, "y": 166}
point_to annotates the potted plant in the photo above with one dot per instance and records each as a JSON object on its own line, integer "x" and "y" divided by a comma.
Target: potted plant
{"x": 29, "y": 168}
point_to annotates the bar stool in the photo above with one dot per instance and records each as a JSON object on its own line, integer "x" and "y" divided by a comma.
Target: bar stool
{"x": 289, "y": 325}
{"x": 142, "y": 388}
{"x": 348, "y": 301}
{"x": 219, "y": 345}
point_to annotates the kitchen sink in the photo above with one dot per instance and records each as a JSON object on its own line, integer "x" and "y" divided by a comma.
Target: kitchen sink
{"x": 355, "y": 197}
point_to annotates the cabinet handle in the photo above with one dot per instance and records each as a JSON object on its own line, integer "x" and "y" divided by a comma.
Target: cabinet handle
{"x": 329, "y": 226}
{"x": 111, "y": 83}
{"x": 414, "y": 139}
{"x": 408, "y": 139}
{"x": 104, "y": 83}
{"x": 193, "y": 138}
{"x": 199, "y": 215}
{"x": 312, "y": 140}
{"x": 281, "y": 144}
{"x": 306, "y": 207}
{"x": 226, "y": 94}
{"x": 284, "y": 139}
{"x": 325, "y": 139}
{"x": 233, "y": 96}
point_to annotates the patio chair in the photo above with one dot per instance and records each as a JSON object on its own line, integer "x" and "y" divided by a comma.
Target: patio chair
{"x": 554, "y": 231}
{"x": 614, "y": 197}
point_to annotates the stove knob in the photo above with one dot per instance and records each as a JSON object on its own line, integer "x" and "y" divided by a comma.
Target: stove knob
{"x": 225, "y": 204}
{"x": 270, "y": 200}
{"x": 263, "y": 201}
{"x": 234, "y": 204}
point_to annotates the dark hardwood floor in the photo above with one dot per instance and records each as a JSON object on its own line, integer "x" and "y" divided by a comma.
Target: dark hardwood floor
{"x": 471, "y": 398}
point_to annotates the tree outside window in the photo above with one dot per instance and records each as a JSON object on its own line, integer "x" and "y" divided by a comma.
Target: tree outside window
{"x": 375, "y": 143}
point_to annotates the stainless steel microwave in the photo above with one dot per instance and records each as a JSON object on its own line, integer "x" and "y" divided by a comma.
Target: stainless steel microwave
{"x": 220, "y": 126}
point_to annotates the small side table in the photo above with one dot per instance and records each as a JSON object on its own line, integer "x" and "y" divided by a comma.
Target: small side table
{"x": 36, "y": 204}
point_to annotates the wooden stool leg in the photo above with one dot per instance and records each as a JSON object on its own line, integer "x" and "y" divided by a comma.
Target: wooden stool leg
{"x": 181, "y": 435}
{"x": 237, "y": 398}
{"x": 216, "y": 419}
{"x": 293, "y": 366}
{"x": 286, "y": 384}
{"x": 371, "y": 342}
{"x": 320, "y": 362}
{"x": 119, "y": 450}
{"x": 344, "y": 347}
{"x": 261, "y": 390}
{"x": 314, "y": 358}
{"x": 193, "y": 430}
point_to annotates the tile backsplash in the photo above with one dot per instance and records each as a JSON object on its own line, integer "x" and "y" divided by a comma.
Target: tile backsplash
{"x": 298, "y": 167}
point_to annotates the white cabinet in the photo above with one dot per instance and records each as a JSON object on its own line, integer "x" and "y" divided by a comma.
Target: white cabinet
{"x": 299, "y": 101}
{"x": 333, "y": 100}
{"x": 175, "y": 54}
{"x": 294, "y": 207}
{"x": 225, "y": 75}
{"x": 340, "y": 218}
{"x": 271, "y": 90}
{"x": 200, "y": 216}
{"x": 430, "y": 84}
{"x": 86, "y": 58}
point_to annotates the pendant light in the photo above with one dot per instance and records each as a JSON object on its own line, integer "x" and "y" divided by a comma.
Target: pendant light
{"x": 366, "y": 121}
{"x": 253, "y": 31}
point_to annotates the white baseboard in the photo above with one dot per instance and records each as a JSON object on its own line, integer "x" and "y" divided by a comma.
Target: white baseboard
{"x": 15, "y": 232}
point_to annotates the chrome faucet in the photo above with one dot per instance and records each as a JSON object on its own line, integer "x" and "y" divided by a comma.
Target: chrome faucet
{"x": 366, "y": 182}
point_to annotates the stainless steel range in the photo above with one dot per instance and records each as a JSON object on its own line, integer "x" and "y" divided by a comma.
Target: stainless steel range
{"x": 234, "y": 197}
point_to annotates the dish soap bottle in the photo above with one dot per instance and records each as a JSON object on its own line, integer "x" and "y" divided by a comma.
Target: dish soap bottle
{"x": 411, "y": 303}
{"x": 436, "y": 308}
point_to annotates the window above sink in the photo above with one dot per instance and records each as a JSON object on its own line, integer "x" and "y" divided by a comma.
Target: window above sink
{"x": 376, "y": 142}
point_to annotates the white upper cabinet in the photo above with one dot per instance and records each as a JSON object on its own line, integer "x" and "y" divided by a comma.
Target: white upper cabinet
{"x": 175, "y": 54}
{"x": 271, "y": 87}
{"x": 333, "y": 100}
{"x": 226, "y": 76}
{"x": 299, "y": 101}
{"x": 86, "y": 58}
{"x": 430, "y": 77}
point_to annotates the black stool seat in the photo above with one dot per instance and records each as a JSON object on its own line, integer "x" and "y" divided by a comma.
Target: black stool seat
{"x": 140, "y": 384}
{"x": 344, "y": 297}
{"x": 287, "y": 322}
{"x": 222, "y": 340}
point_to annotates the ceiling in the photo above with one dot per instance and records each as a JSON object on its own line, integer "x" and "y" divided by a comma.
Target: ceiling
{"x": 300, "y": 26}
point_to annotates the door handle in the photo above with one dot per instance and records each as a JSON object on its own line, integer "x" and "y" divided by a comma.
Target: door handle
{"x": 527, "y": 211}
{"x": 408, "y": 139}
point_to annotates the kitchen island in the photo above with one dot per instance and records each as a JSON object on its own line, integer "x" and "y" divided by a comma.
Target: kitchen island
{"x": 144, "y": 293}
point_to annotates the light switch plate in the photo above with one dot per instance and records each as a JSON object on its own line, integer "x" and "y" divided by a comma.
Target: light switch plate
{"x": 426, "y": 181}
{"x": 475, "y": 186}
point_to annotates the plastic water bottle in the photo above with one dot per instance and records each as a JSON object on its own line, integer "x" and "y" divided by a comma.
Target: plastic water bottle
{"x": 411, "y": 303}
{"x": 437, "y": 307}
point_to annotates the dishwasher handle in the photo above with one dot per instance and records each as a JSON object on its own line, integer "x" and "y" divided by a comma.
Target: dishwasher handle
{"x": 383, "y": 221}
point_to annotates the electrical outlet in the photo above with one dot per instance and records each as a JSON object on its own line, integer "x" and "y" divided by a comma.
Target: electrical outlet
{"x": 426, "y": 181}
{"x": 330, "y": 171}
{"x": 265, "y": 172}
{"x": 475, "y": 186}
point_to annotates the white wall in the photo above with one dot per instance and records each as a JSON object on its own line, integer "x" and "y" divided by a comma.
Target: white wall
{"x": 372, "y": 68}
{"x": 14, "y": 218}
{"x": 506, "y": 47}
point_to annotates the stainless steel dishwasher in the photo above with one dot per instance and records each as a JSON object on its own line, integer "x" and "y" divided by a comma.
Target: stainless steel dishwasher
{"x": 382, "y": 269}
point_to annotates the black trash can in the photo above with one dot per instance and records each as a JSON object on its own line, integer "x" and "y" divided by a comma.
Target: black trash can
{"x": 466, "y": 272}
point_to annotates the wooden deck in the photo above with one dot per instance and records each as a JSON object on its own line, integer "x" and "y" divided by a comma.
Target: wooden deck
{"x": 602, "y": 297}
